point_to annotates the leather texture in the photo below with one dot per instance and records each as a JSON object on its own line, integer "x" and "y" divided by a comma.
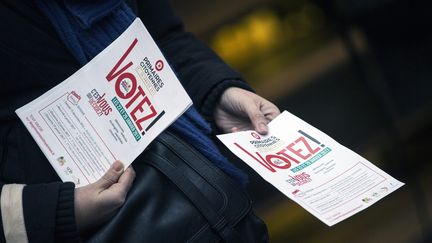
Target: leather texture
{"x": 180, "y": 196}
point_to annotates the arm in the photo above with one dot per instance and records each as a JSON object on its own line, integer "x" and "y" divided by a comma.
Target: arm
{"x": 203, "y": 74}
{"x": 38, "y": 213}
{"x": 55, "y": 212}
{"x": 211, "y": 83}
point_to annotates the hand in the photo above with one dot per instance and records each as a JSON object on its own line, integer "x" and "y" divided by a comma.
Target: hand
{"x": 98, "y": 202}
{"x": 240, "y": 110}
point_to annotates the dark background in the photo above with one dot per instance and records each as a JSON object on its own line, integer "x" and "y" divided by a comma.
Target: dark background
{"x": 358, "y": 70}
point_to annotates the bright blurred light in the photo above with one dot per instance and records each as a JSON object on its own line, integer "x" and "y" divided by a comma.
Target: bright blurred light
{"x": 263, "y": 31}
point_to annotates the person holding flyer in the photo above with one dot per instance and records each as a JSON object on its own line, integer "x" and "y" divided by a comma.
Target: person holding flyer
{"x": 43, "y": 42}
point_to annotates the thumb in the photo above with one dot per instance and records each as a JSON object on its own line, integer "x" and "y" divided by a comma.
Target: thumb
{"x": 111, "y": 176}
{"x": 257, "y": 118}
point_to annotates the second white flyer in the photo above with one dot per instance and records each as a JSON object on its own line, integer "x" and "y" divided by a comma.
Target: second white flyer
{"x": 327, "y": 179}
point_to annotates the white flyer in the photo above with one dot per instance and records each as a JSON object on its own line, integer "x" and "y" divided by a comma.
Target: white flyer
{"x": 110, "y": 109}
{"x": 324, "y": 177}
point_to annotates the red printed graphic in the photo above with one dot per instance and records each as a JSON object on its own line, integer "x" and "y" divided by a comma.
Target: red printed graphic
{"x": 159, "y": 65}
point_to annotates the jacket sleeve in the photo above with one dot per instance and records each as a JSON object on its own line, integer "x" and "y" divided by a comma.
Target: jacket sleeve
{"x": 38, "y": 213}
{"x": 43, "y": 210}
{"x": 203, "y": 74}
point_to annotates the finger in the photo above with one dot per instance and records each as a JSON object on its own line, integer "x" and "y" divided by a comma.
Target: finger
{"x": 272, "y": 112}
{"x": 234, "y": 129}
{"x": 111, "y": 176}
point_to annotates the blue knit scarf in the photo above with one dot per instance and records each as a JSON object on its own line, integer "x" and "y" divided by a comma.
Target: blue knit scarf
{"x": 87, "y": 27}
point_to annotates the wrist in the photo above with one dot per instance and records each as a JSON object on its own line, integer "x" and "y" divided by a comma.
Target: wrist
{"x": 66, "y": 229}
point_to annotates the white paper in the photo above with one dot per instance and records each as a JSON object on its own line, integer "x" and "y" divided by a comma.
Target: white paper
{"x": 327, "y": 179}
{"x": 110, "y": 109}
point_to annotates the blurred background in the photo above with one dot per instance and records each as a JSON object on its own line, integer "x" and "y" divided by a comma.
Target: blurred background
{"x": 361, "y": 71}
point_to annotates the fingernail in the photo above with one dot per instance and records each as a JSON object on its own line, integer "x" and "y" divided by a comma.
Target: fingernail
{"x": 117, "y": 166}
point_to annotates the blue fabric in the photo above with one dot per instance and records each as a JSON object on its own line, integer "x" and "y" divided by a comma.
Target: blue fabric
{"x": 87, "y": 27}
{"x": 88, "y": 12}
